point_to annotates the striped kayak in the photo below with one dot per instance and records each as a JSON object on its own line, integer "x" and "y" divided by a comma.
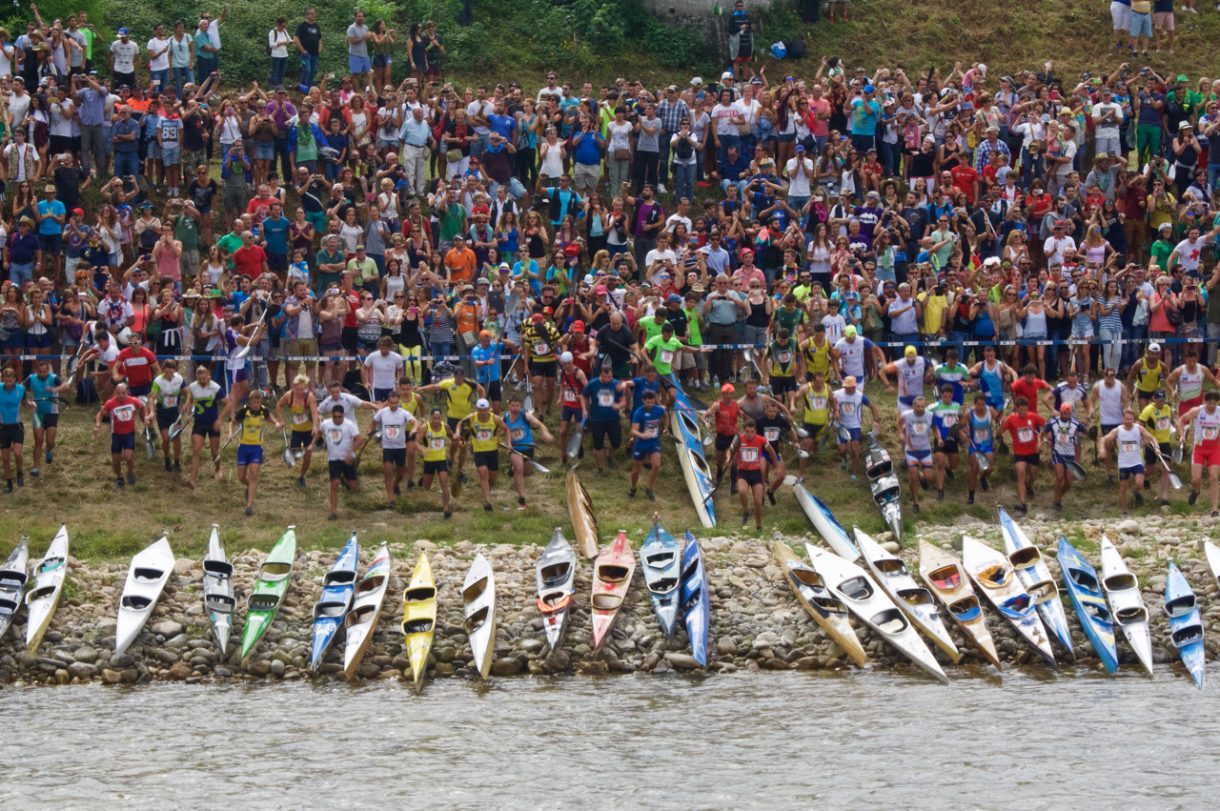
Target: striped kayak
{"x": 218, "y": 599}
{"x": 824, "y": 522}
{"x": 272, "y": 583}
{"x": 661, "y": 565}
{"x": 43, "y": 597}
{"x": 13, "y": 576}
{"x": 694, "y": 599}
{"x": 995, "y": 577}
{"x": 338, "y": 586}
{"x": 149, "y": 572}
{"x": 1036, "y": 577}
{"x": 944, "y": 575}
{"x": 360, "y": 625}
{"x": 688, "y": 432}
{"x": 1083, "y": 586}
{"x": 612, "y": 572}
{"x": 1185, "y": 623}
{"x": 1122, "y": 591}
{"x": 825, "y": 608}
{"x": 419, "y": 618}
{"x": 555, "y": 573}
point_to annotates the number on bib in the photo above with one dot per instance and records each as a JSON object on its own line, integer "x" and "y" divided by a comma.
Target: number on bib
{"x": 749, "y": 454}
{"x": 1025, "y": 435}
{"x": 772, "y": 434}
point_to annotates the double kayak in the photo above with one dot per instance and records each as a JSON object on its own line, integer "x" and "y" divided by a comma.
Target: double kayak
{"x": 995, "y": 577}
{"x": 338, "y": 586}
{"x": 1083, "y": 586}
{"x": 149, "y": 572}
{"x": 943, "y": 573}
{"x": 361, "y": 622}
{"x": 819, "y": 603}
{"x": 555, "y": 573}
{"x": 824, "y": 522}
{"x": 661, "y": 566}
{"x": 43, "y": 597}
{"x": 419, "y": 618}
{"x": 612, "y": 573}
{"x": 218, "y": 601}
{"x": 272, "y": 583}
{"x": 1035, "y": 576}
{"x": 479, "y": 613}
{"x": 687, "y": 430}
{"x": 14, "y": 575}
{"x": 694, "y": 599}
{"x": 1122, "y": 591}
{"x": 1185, "y": 623}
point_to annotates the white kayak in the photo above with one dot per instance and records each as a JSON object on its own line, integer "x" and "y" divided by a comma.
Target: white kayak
{"x": 149, "y": 572}
{"x": 864, "y": 598}
{"x": 1127, "y": 607}
{"x": 218, "y": 600}
{"x": 43, "y": 598}
{"x": 555, "y": 573}
{"x": 824, "y": 522}
{"x": 361, "y": 622}
{"x": 998, "y": 582}
{"x": 1213, "y": 558}
{"x": 1036, "y": 577}
{"x": 915, "y": 600}
{"x": 13, "y": 576}
{"x": 479, "y": 612}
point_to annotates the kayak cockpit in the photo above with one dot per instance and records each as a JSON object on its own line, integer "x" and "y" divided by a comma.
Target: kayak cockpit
{"x": 966, "y": 609}
{"x": 920, "y": 598}
{"x": 418, "y": 626}
{"x": 1189, "y": 635}
{"x": 994, "y": 576}
{"x": 1017, "y": 607}
{"x": 474, "y": 591}
{"x": 1085, "y": 581}
{"x": 857, "y": 588}
{"x": 946, "y": 578}
{"x": 144, "y": 575}
{"x": 613, "y": 573}
{"x": 135, "y": 602}
{"x": 556, "y": 574}
{"x": 477, "y": 620}
{"x": 1025, "y": 556}
{"x": 419, "y": 594}
{"x": 1123, "y": 581}
{"x": 1180, "y": 607}
{"x": 890, "y": 566}
{"x": 264, "y": 602}
{"x": 890, "y": 622}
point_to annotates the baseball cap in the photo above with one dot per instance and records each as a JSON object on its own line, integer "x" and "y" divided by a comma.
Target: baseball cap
{"x": 728, "y": 74}
{"x": 673, "y": 298}
{"x": 505, "y": 266}
{"x": 849, "y": 331}
{"x": 122, "y": 32}
{"x": 800, "y": 147}
{"x": 696, "y": 81}
{"x": 578, "y": 326}
{"x": 910, "y": 352}
{"x": 600, "y": 290}
{"x": 571, "y": 249}
{"x": 538, "y": 318}
{"x": 1159, "y": 394}
{"x": 1154, "y": 347}
{"x": 80, "y": 212}
{"x": 566, "y": 357}
{"x": 482, "y": 403}
{"x": 727, "y": 388}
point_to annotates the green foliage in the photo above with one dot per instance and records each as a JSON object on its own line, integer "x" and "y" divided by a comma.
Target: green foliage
{"x": 675, "y": 46}
{"x": 15, "y": 14}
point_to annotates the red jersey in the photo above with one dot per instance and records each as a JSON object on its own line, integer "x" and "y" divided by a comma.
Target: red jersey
{"x": 750, "y": 452}
{"x": 1021, "y": 388}
{"x": 569, "y": 391}
{"x": 726, "y": 418}
{"x": 122, "y": 413}
{"x": 136, "y": 364}
{"x": 1025, "y": 432}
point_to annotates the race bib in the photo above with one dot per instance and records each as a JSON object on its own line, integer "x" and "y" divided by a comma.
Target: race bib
{"x": 667, "y": 356}
{"x": 919, "y": 428}
{"x": 749, "y": 454}
{"x": 771, "y": 434}
{"x": 783, "y": 357}
{"x": 483, "y": 434}
{"x": 1025, "y": 435}
{"x": 170, "y": 401}
{"x": 818, "y": 403}
{"x": 124, "y": 413}
{"x": 568, "y": 393}
{"x": 300, "y": 419}
{"x": 1210, "y": 432}
{"x": 1129, "y": 447}
{"x": 849, "y": 408}
{"x": 1162, "y": 423}
{"x": 334, "y": 437}
{"x": 949, "y": 420}
{"x": 541, "y": 348}
{"x": 605, "y": 398}
{"x": 393, "y": 431}
{"x": 437, "y": 443}
{"x": 518, "y": 433}
{"x": 981, "y": 435}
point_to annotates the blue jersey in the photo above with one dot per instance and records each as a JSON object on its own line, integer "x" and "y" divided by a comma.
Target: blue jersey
{"x": 520, "y": 434}
{"x": 648, "y": 420}
{"x": 639, "y": 385}
{"x": 602, "y": 397}
{"x": 485, "y": 374}
{"x": 10, "y": 404}
{"x": 991, "y": 381}
{"x": 981, "y": 436}
{"x": 45, "y": 400}
{"x": 953, "y": 376}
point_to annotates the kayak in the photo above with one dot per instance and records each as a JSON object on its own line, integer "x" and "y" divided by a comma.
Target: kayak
{"x": 997, "y": 580}
{"x": 1213, "y": 558}
{"x": 1084, "y": 588}
{"x": 688, "y": 432}
{"x": 1185, "y": 623}
{"x": 661, "y": 565}
{"x": 584, "y": 522}
{"x": 43, "y": 597}
{"x": 556, "y": 575}
{"x": 479, "y": 612}
{"x": 1034, "y": 574}
{"x": 149, "y": 572}
{"x": 866, "y": 600}
{"x": 419, "y": 618}
{"x": 942, "y": 571}
{"x": 270, "y": 586}
{"x": 13, "y": 576}
{"x": 1122, "y": 591}
{"x": 825, "y": 609}
{"x": 914, "y": 600}
{"x": 338, "y": 586}
{"x": 883, "y": 485}
{"x": 694, "y": 599}
{"x": 612, "y": 573}
{"x": 218, "y": 599}
{"x": 824, "y": 522}
{"x": 360, "y": 625}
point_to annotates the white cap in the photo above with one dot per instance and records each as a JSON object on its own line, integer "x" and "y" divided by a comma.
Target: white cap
{"x": 566, "y": 357}
{"x": 696, "y": 81}
{"x": 1154, "y": 347}
{"x": 482, "y": 403}
{"x": 728, "y": 74}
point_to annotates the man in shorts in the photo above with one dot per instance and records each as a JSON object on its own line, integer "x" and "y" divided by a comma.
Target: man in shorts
{"x": 647, "y": 423}
{"x": 915, "y": 427}
{"x": 1064, "y": 433}
{"x": 1127, "y": 439}
{"x": 604, "y": 399}
{"x": 1024, "y": 425}
{"x": 204, "y": 398}
{"x": 1205, "y": 420}
{"x": 12, "y": 430}
{"x": 45, "y": 389}
{"x": 342, "y": 439}
{"x": 749, "y": 452}
{"x": 164, "y": 410}
{"x": 123, "y": 411}
{"x": 485, "y": 430}
{"x": 395, "y": 424}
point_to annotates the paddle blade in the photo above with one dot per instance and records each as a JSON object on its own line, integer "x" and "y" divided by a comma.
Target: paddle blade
{"x": 573, "y": 449}
{"x": 289, "y": 459}
{"x": 1178, "y": 453}
{"x": 1175, "y": 481}
{"x": 150, "y": 447}
{"x": 983, "y": 462}
{"x": 541, "y": 468}
{"x": 1078, "y": 472}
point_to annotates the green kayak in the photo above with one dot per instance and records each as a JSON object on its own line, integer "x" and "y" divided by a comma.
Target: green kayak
{"x": 269, "y": 590}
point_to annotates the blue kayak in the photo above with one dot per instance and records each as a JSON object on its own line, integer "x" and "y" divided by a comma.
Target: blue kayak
{"x": 661, "y": 564}
{"x": 1185, "y": 623}
{"x": 694, "y": 599}
{"x": 688, "y": 431}
{"x": 1084, "y": 587}
{"x": 338, "y": 587}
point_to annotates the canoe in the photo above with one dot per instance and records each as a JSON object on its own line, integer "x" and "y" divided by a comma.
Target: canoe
{"x": 1083, "y": 586}
{"x": 1036, "y": 577}
{"x": 556, "y": 575}
{"x": 270, "y": 586}
{"x": 419, "y": 618}
{"x": 824, "y": 522}
{"x": 883, "y": 485}
{"x": 915, "y": 601}
{"x": 998, "y": 582}
{"x": 612, "y": 573}
{"x": 695, "y": 609}
{"x": 360, "y": 625}
{"x": 218, "y": 599}
{"x": 1213, "y": 558}
{"x": 338, "y": 586}
{"x": 43, "y": 597}
{"x": 479, "y": 612}
{"x": 943, "y": 573}
{"x": 864, "y": 598}
{"x": 584, "y": 522}
{"x": 688, "y": 432}
{"x": 1185, "y": 623}
{"x": 825, "y": 608}
{"x": 149, "y": 572}
{"x": 1122, "y": 591}
{"x": 13, "y": 576}
{"x": 661, "y": 565}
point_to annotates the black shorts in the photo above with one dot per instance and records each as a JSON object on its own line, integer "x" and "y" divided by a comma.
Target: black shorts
{"x": 142, "y": 390}
{"x": 122, "y": 442}
{"x": 1125, "y": 473}
{"x": 1150, "y": 457}
{"x": 750, "y": 477}
{"x": 782, "y": 385}
{"x": 348, "y": 339}
{"x": 487, "y": 459}
{"x": 166, "y": 417}
{"x": 724, "y": 441}
{"x": 543, "y": 368}
{"x": 667, "y": 382}
{"x": 204, "y": 429}
{"x": 948, "y": 446}
{"x": 396, "y": 456}
{"x": 13, "y": 434}
{"x": 494, "y": 392}
{"x": 300, "y": 439}
{"x": 339, "y": 469}
{"x": 814, "y": 431}
{"x": 452, "y": 422}
{"x": 569, "y": 414}
{"x": 602, "y": 431}
{"x": 45, "y": 421}
{"x": 1028, "y": 458}
{"x": 439, "y": 466}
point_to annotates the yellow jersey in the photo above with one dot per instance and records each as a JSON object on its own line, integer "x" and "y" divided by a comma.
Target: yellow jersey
{"x": 483, "y": 433}
{"x": 1148, "y": 378}
{"x": 459, "y": 399}
{"x": 817, "y": 358}
{"x": 252, "y": 423}
{"x": 300, "y": 416}
{"x": 1158, "y": 421}
{"x": 436, "y": 443}
{"x": 817, "y": 406}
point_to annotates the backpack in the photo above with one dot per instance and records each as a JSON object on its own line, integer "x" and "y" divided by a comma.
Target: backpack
{"x": 683, "y": 149}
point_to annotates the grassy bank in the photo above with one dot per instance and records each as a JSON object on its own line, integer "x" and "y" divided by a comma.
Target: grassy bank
{"x": 108, "y": 523}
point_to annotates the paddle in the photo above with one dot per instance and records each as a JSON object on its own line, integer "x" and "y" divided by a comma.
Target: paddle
{"x": 1179, "y": 450}
{"x": 1174, "y": 480}
{"x": 177, "y": 427}
{"x": 245, "y": 350}
{"x": 528, "y": 402}
{"x": 1078, "y": 472}
{"x": 289, "y": 459}
{"x": 573, "y": 448}
{"x": 538, "y": 466}
{"x": 980, "y": 459}
{"x": 150, "y": 447}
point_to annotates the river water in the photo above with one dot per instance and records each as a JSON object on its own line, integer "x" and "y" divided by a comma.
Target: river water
{"x": 783, "y": 740}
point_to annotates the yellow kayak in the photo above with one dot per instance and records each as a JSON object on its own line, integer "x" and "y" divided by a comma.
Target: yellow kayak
{"x": 419, "y": 618}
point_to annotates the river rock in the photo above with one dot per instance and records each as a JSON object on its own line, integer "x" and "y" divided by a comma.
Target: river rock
{"x": 506, "y": 666}
{"x": 184, "y": 566}
{"x": 260, "y": 668}
{"x": 681, "y": 661}
{"x": 85, "y": 654}
{"x": 222, "y": 672}
{"x": 82, "y": 670}
{"x": 891, "y": 547}
{"x": 179, "y": 641}
{"x": 62, "y": 676}
{"x": 726, "y": 646}
{"x": 167, "y": 628}
{"x": 1129, "y": 527}
{"x": 180, "y": 671}
{"x": 277, "y": 668}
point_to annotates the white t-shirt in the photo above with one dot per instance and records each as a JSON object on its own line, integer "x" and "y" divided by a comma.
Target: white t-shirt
{"x": 18, "y": 106}
{"x": 350, "y": 403}
{"x": 124, "y": 55}
{"x": 620, "y": 135}
{"x": 396, "y": 424}
{"x": 61, "y": 123}
{"x": 384, "y": 368}
{"x": 1110, "y": 127}
{"x": 160, "y": 62}
{"x": 339, "y": 439}
{"x": 7, "y": 54}
{"x": 798, "y": 184}
{"x": 277, "y": 41}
